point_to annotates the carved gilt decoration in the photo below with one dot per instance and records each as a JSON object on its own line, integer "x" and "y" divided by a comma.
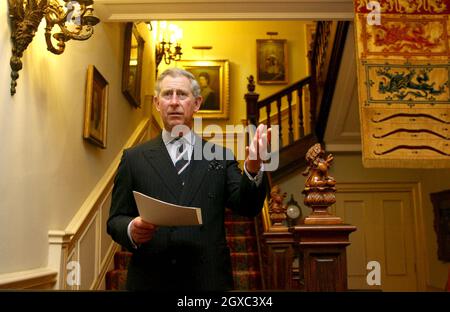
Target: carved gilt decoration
{"x": 75, "y": 20}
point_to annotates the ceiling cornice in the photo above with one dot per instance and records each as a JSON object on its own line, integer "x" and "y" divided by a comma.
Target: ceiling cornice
{"x": 143, "y": 10}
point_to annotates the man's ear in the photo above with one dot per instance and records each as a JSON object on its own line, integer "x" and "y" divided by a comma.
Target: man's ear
{"x": 156, "y": 103}
{"x": 198, "y": 103}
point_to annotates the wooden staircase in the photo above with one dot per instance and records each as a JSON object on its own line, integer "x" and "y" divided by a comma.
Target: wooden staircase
{"x": 307, "y": 104}
{"x": 116, "y": 279}
{"x": 292, "y": 156}
{"x": 242, "y": 241}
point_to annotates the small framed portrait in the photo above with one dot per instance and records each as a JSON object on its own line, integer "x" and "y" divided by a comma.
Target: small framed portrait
{"x": 96, "y": 108}
{"x": 132, "y": 65}
{"x": 272, "y": 61}
{"x": 214, "y": 80}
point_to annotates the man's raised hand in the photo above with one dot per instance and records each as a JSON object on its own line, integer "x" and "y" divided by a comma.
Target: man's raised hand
{"x": 257, "y": 151}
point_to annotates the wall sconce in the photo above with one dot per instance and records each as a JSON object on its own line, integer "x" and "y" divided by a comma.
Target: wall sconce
{"x": 74, "y": 18}
{"x": 163, "y": 49}
{"x": 202, "y": 48}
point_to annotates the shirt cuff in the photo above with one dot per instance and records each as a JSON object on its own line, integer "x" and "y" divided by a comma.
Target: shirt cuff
{"x": 258, "y": 177}
{"x": 129, "y": 235}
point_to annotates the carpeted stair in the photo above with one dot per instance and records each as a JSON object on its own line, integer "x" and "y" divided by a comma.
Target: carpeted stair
{"x": 241, "y": 239}
{"x": 116, "y": 279}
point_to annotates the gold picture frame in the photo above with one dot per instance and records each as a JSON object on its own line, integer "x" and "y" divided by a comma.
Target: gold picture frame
{"x": 133, "y": 55}
{"x": 272, "y": 61}
{"x": 96, "y": 108}
{"x": 214, "y": 79}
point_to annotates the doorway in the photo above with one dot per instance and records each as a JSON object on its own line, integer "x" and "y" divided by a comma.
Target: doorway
{"x": 388, "y": 231}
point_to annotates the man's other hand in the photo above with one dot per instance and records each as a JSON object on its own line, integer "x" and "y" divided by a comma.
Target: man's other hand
{"x": 141, "y": 231}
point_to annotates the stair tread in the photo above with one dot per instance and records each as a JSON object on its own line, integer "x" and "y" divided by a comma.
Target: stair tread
{"x": 239, "y": 222}
{"x": 249, "y": 272}
{"x": 242, "y": 236}
{"x": 242, "y": 240}
{"x": 241, "y": 253}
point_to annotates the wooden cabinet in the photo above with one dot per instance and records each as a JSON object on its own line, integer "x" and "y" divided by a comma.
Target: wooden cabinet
{"x": 441, "y": 204}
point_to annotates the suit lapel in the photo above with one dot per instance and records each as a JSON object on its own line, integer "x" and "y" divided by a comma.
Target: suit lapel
{"x": 197, "y": 172}
{"x": 159, "y": 159}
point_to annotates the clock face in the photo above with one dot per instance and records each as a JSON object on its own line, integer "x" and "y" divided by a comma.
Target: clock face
{"x": 293, "y": 212}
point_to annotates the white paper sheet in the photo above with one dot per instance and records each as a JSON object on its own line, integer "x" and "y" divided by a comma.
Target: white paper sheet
{"x": 162, "y": 213}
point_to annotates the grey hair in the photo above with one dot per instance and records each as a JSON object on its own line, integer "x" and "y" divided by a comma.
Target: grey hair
{"x": 178, "y": 72}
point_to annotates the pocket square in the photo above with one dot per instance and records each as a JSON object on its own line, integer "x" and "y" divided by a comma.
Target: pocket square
{"x": 214, "y": 165}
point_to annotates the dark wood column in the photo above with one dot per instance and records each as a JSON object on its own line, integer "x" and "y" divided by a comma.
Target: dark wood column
{"x": 321, "y": 238}
{"x": 251, "y": 98}
{"x": 322, "y": 250}
{"x": 279, "y": 256}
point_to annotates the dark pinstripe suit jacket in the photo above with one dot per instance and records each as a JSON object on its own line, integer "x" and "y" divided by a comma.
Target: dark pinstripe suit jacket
{"x": 187, "y": 257}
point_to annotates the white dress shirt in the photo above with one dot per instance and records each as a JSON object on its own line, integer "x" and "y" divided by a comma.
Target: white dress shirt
{"x": 172, "y": 147}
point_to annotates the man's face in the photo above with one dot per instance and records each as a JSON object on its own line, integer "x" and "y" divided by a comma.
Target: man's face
{"x": 176, "y": 103}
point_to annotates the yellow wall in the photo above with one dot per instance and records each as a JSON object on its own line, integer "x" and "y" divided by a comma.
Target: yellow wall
{"x": 47, "y": 169}
{"x": 348, "y": 168}
{"x": 236, "y": 42}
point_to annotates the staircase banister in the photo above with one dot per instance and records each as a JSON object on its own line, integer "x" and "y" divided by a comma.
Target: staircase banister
{"x": 294, "y": 87}
{"x": 331, "y": 79}
{"x": 65, "y": 243}
{"x": 277, "y": 241}
{"x": 251, "y": 100}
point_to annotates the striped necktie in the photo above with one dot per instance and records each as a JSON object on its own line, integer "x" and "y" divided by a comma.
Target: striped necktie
{"x": 181, "y": 158}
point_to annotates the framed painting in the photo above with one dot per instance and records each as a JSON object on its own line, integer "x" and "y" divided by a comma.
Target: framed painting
{"x": 96, "y": 108}
{"x": 272, "y": 61}
{"x": 132, "y": 65}
{"x": 214, "y": 80}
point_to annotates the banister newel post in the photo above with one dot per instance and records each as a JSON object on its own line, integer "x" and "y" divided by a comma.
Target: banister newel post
{"x": 251, "y": 98}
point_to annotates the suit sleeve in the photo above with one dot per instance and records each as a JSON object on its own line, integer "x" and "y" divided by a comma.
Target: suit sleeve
{"x": 244, "y": 197}
{"x": 123, "y": 206}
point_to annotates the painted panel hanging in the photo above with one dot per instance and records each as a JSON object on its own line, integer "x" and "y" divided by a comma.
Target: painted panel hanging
{"x": 403, "y": 83}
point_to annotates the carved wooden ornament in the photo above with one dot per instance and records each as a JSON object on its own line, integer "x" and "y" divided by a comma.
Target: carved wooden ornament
{"x": 319, "y": 187}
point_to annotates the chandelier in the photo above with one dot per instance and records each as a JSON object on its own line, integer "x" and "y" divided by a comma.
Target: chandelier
{"x": 75, "y": 20}
{"x": 168, "y": 46}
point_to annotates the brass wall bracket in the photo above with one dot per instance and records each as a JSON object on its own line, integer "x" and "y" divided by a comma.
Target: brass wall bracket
{"x": 75, "y": 20}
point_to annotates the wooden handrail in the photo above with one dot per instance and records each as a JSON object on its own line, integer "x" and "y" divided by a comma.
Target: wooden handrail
{"x": 283, "y": 92}
{"x": 331, "y": 78}
{"x": 317, "y": 58}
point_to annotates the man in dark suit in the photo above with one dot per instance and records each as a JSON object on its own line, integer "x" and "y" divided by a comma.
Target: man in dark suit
{"x": 169, "y": 168}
